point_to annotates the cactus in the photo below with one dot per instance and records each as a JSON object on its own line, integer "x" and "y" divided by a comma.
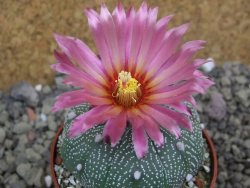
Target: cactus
{"x": 96, "y": 164}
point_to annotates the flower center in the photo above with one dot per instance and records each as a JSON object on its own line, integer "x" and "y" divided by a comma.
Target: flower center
{"x": 127, "y": 90}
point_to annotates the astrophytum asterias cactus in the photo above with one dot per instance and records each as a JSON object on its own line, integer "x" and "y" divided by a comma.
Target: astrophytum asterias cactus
{"x": 98, "y": 165}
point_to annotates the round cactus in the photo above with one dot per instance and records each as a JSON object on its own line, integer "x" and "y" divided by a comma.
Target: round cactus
{"x": 96, "y": 164}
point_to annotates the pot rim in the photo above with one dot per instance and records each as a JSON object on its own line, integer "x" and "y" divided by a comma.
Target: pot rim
{"x": 52, "y": 156}
{"x": 205, "y": 134}
{"x": 213, "y": 157}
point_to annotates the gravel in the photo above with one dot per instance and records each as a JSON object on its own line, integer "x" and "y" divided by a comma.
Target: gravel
{"x": 27, "y": 128}
{"x": 229, "y": 123}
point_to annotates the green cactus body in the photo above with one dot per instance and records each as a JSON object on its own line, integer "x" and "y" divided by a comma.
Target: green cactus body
{"x": 98, "y": 165}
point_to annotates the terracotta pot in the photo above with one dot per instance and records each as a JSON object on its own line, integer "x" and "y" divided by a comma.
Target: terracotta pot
{"x": 54, "y": 158}
{"x": 213, "y": 156}
{"x": 53, "y": 155}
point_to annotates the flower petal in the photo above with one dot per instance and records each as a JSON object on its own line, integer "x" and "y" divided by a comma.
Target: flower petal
{"x": 120, "y": 21}
{"x": 73, "y": 98}
{"x": 138, "y": 27}
{"x": 75, "y": 49}
{"x": 150, "y": 126}
{"x": 157, "y": 40}
{"x": 139, "y": 137}
{"x": 181, "y": 119}
{"x": 188, "y": 88}
{"x": 171, "y": 41}
{"x": 110, "y": 34}
{"x": 88, "y": 82}
{"x": 180, "y": 107}
{"x": 153, "y": 130}
{"x": 74, "y": 81}
{"x": 96, "y": 115}
{"x": 147, "y": 36}
{"x": 178, "y": 64}
{"x": 170, "y": 100}
{"x": 114, "y": 128}
{"x": 100, "y": 40}
{"x": 163, "y": 120}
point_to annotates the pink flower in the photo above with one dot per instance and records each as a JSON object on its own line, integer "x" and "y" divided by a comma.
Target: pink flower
{"x": 141, "y": 68}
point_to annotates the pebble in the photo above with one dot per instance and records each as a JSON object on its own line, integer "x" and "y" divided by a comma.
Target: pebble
{"x": 48, "y": 181}
{"x": 206, "y": 155}
{"x": 41, "y": 125}
{"x": 39, "y": 148}
{"x": 43, "y": 117}
{"x": 202, "y": 125}
{"x": 246, "y": 183}
{"x": 46, "y": 90}
{"x": 38, "y": 87}
{"x": 3, "y": 166}
{"x": 18, "y": 184}
{"x": 236, "y": 150}
{"x": 22, "y": 127}
{"x": 23, "y": 170}
{"x": 225, "y": 81}
{"x": 209, "y": 65}
{"x": 15, "y": 109}
{"x": 72, "y": 180}
{"x": 1, "y": 151}
{"x": 189, "y": 177}
{"x": 226, "y": 93}
{"x": 31, "y": 135}
{"x": 190, "y": 184}
{"x": 4, "y": 117}
{"x": 216, "y": 108}
{"x": 2, "y": 135}
{"x": 12, "y": 179}
{"x": 243, "y": 95}
{"x": 32, "y": 155}
{"x": 31, "y": 114}
{"x": 8, "y": 143}
{"x": 38, "y": 178}
{"x": 23, "y": 91}
{"x": 50, "y": 134}
{"x": 206, "y": 168}
{"x": 247, "y": 143}
{"x": 2, "y": 107}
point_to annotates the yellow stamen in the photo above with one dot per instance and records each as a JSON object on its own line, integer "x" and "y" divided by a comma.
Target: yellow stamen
{"x": 127, "y": 90}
